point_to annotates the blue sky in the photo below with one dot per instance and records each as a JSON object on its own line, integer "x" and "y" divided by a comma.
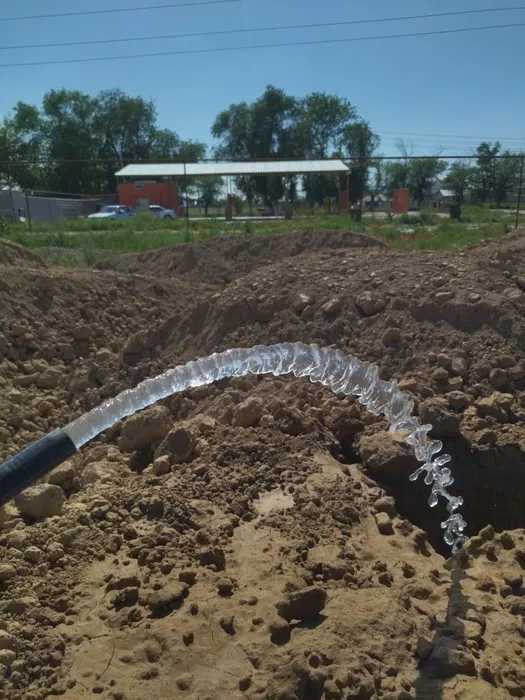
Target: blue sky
{"x": 439, "y": 93}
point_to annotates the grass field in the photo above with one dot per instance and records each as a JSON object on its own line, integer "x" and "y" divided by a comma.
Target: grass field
{"x": 83, "y": 242}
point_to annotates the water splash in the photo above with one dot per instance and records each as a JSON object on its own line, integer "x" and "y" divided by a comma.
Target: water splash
{"x": 342, "y": 374}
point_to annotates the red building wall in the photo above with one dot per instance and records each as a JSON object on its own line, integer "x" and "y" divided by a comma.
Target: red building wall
{"x": 400, "y": 201}
{"x": 343, "y": 201}
{"x": 163, "y": 193}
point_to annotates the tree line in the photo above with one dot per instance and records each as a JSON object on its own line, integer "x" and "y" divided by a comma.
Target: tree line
{"x": 74, "y": 143}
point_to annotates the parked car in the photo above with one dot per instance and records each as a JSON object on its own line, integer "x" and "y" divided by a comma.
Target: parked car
{"x": 112, "y": 211}
{"x": 161, "y": 213}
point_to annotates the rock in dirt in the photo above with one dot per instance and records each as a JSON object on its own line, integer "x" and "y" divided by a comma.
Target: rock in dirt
{"x": 248, "y": 413}
{"x": 436, "y": 412}
{"x": 225, "y": 587}
{"x": 178, "y": 445}
{"x": 125, "y": 598}
{"x": 369, "y": 303}
{"x": 385, "y": 455}
{"x": 385, "y": 504}
{"x": 7, "y": 572}
{"x": 440, "y": 375}
{"x": 161, "y": 465}
{"x": 305, "y": 604}
{"x": 458, "y": 400}
{"x": 96, "y": 471}
{"x": 165, "y": 601}
{"x": 49, "y": 379}
{"x": 392, "y": 337}
{"x": 7, "y": 641}
{"x": 332, "y": 307}
{"x": 63, "y": 475}
{"x": 384, "y": 523}
{"x": 213, "y": 556}
{"x": 41, "y": 501}
{"x": 7, "y": 656}
{"x": 145, "y": 428}
{"x": 497, "y": 406}
{"x": 185, "y": 681}
{"x": 33, "y": 555}
{"x": 279, "y": 631}
{"x": 498, "y": 378}
{"x": 446, "y": 660}
{"x": 228, "y": 624}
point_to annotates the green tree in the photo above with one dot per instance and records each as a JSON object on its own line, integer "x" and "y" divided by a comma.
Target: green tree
{"x": 422, "y": 173}
{"x": 378, "y": 177}
{"x": 263, "y": 130}
{"x": 418, "y": 174}
{"x": 70, "y": 138}
{"x": 21, "y": 147}
{"x": 85, "y": 140}
{"x": 486, "y": 170}
{"x": 126, "y": 125}
{"x": 209, "y": 189}
{"x": 321, "y": 121}
{"x": 460, "y": 179}
{"x": 506, "y": 177}
{"x": 359, "y": 143}
{"x": 396, "y": 176}
{"x": 128, "y": 132}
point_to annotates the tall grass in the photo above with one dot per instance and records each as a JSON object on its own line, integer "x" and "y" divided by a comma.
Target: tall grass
{"x": 86, "y": 241}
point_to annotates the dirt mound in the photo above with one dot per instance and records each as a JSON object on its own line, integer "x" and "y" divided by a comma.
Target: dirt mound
{"x": 452, "y": 327}
{"x": 16, "y": 255}
{"x": 222, "y": 260}
{"x": 260, "y": 538}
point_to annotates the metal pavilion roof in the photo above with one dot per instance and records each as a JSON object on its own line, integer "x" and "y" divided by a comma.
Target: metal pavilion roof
{"x": 288, "y": 167}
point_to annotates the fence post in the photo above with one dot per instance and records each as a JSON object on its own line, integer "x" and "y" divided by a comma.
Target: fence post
{"x": 11, "y": 196}
{"x": 520, "y": 190}
{"x": 28, "y": 212}
{"x": 12, "y": 201}
{"x": 187, "y": 211}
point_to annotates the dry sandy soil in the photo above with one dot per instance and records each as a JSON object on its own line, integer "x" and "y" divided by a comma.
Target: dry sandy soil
{"x": 259, "y": 539}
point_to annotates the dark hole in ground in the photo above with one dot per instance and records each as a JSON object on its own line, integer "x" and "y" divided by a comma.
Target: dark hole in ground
{"x": 491, "y": 482}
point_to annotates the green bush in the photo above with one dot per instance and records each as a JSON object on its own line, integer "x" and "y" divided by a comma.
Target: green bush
{"x": 428, "y": 218}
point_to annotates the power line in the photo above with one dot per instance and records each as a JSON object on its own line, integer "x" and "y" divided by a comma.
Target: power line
{"x": 451, "y": 136}
{"x": 222, "y": 32}
{"x": 251, "y": 47}
{"x": 46, "y": 161}
{"x": 446, "y": 145}
{"x": 115, "y": 10}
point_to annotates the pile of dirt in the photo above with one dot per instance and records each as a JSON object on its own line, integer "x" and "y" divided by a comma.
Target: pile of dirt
{"x": 13, "y": 254}
{"x": 259, "y": 538}
{"x": 222, "y": 260}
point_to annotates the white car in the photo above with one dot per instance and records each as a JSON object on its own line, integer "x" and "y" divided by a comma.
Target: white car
{"x": 112, "y": 211}
{"x": 160, "y": 212}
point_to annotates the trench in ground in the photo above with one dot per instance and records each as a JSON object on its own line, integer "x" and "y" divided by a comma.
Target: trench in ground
{"x": 492, "y": 485}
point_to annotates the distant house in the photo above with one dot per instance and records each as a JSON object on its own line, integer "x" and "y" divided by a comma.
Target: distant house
{"x": 440, "y": 197}
{"x": 142, "y": 192}
{"x": 376, "y": 202}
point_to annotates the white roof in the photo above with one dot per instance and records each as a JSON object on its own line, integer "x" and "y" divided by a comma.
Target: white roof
{"x": 288, "y": 167}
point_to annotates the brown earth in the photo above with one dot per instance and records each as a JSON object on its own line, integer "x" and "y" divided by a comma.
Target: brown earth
{"x": 13, "y": 255}
{"x": 260, "y": 538}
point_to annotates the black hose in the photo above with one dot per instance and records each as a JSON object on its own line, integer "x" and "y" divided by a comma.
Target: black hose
{"x": 23, "y": 469}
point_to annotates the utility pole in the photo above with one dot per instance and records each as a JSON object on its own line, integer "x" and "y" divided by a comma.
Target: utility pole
{"x": 520, "y": 191}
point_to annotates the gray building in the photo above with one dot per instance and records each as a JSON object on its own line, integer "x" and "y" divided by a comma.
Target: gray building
{"x": 16, "y": 205}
